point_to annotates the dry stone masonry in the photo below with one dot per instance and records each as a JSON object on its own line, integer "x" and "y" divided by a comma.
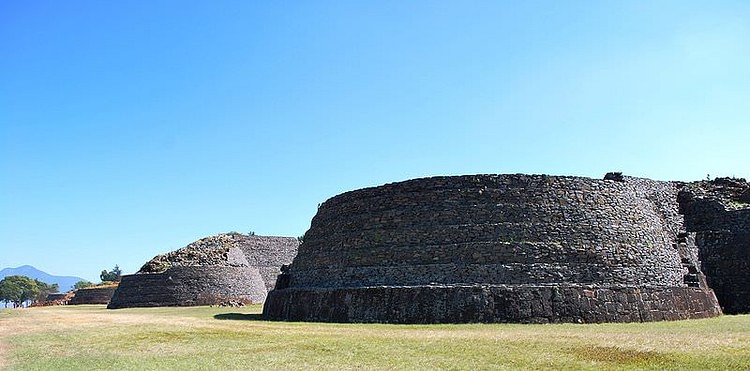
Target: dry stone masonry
{"x": 501, "y": 248}
{"x": 228, "y": 267}
{"x": 93, "y": 295}
{"x": 718, "y": 212}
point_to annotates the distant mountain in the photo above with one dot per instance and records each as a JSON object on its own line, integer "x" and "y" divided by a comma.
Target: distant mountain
{"x": 64, "y": 282}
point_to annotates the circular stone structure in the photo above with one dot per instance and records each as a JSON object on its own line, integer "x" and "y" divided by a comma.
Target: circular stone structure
{"x": 497, "y": 248}
{"x": 229, "y": 267}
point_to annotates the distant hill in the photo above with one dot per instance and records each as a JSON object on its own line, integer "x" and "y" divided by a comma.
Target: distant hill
{"x": 64, "y": 282}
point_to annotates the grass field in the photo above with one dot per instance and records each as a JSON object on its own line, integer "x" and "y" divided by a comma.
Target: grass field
{"x": 92, "y": 337}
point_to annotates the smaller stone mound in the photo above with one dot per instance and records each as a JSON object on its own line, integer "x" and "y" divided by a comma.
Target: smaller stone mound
{"x": 57, "y": 298}
{"x": 229, "y": 267}
{"x": 93, "y": 295}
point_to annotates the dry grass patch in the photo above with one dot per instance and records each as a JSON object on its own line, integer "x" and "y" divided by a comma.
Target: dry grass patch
{"x": 92, "y": 337}
{"x": 625, "y": 357}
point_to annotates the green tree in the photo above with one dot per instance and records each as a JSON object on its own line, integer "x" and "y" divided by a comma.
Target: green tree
{"x": 111, "y": 276}
{"x": 82, "y": 284}
{"x": 45, "y": 289}
{"x": 18, "y": 289}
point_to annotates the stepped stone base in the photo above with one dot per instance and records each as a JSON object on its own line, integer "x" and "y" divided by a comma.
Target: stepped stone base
{"x": 93, "y": 295}
{"x": 490, "y": 304}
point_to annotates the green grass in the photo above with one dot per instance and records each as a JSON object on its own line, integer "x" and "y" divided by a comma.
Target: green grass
{"x": 92, "y": 337}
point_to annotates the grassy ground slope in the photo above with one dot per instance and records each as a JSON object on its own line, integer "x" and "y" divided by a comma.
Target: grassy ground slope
{"x": 92, "y": 337}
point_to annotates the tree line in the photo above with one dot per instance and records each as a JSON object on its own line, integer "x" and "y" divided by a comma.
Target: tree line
{"x": 21, "y": 289}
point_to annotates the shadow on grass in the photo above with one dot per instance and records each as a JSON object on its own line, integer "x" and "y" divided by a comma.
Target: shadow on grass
{"x": 239, "y": 317}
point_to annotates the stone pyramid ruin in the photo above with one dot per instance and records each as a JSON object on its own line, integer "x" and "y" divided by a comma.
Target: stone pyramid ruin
{"x": 230, "y": 267}
{"x": 522, "y": 248}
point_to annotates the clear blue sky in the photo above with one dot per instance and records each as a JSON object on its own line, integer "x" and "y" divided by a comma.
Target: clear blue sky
{"x": 129, "y": 129}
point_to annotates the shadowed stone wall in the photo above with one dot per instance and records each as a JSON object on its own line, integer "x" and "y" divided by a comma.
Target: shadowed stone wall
{"x": 497, "y": 248}
{"x": 718, "y": 212}
{"x": 491, "y": 304}
{"x": 213, "y": 270}
{"x": 93, "y": 295}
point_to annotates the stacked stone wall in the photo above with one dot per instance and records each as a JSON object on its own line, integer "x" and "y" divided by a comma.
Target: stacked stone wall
{"x": 268, "y": 254}
{"x": 59, "y": 296}
{"x": 523, "y": 230}
{"x": 188, "y": 286}
{"x": 717, "y": 213}
{"x": 93, "y": 295}
{"x": 491, "y": 304}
